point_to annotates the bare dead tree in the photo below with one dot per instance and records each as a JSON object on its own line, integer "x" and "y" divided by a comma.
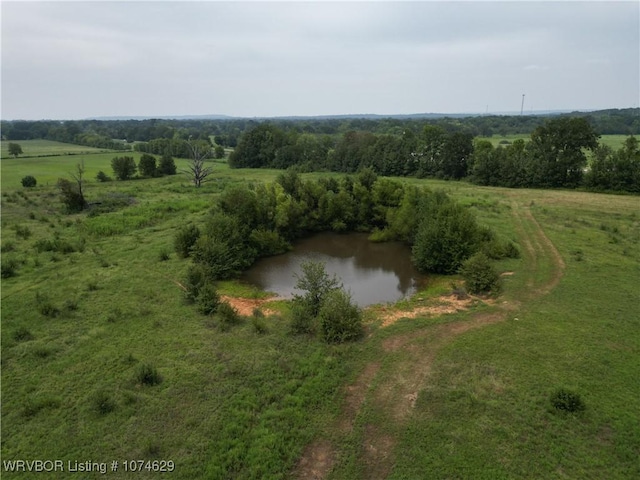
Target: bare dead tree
{"x": 197, "y": 171}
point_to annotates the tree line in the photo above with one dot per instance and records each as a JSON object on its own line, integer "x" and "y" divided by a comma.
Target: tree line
{"x": 226, "y": 132}
{"x": 555, "y": 156}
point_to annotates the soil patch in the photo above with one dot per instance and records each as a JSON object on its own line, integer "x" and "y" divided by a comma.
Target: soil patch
{"x": 245, "y": 306}
{"x": 316, "y": 462}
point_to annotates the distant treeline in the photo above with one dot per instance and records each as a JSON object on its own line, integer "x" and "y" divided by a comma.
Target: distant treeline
{"x": 555, "y": 156}
{"x": 102, "y": 133}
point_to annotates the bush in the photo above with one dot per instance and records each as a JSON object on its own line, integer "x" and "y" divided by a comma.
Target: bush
{"x": 29, "y": 181}
{"x": 45, "y": 307}
{"x": 147, "y": 374}
{"x": 22, "y": 334}
{"x": 567, "y": 401}
{"x": 340, "y": 319}
{"x": 102, "y": 177}
{"x": 167, "y": 166}
{"x": 317, "y": 283}
{"x": 9, "y": 267}
{"x": 185, "y": 239}
{"x": 302, "y": 317}
{"x": 22, "y": 232}
{"x": 479, "y": 275}
{"x": 123, "y": 167}
{"x": 257, "y": 321}
{"x": 102, "y": 402}
{"x": 72, "y": 196}
{"x": 208, "y": 299}
{"x": 196, "y": 278}
{"x": 147, "y": 165}
{"x": 227, "y": 316}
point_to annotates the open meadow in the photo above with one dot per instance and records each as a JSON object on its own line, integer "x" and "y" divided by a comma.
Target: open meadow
{"x": 103, "y": 360}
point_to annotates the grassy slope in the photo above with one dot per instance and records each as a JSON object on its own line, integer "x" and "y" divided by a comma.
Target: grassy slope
{"x": 245, "y": 405}
{"x": 40, "y": 147}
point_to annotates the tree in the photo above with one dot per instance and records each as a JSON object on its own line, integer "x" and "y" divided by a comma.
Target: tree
{"x": 218, "y": 151}
{"x": 557, "y": 147}
{"x": 479, "y": 275}
{"x": 72, "y": 195}
{"x": 123, "y": 167}
{"x": 197, "y": 171}
{"x": 316, "y": 283}
{"x": 167, "y": 166}
{"x": 15, "y": 149}
{"x": 147, "y": 165}
{"x": 29, "y": 181}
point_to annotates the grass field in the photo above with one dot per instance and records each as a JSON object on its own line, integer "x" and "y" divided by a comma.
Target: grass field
{"x": 93, "y": 298}
{"x": 40, "y": 148}
{"x": 613, "y": 141}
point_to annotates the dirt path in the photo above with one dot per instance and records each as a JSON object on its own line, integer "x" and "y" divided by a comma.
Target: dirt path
{"x": 394, "y": 395}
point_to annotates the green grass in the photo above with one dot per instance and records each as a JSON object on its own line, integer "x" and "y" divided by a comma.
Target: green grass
{"x": 42, "y": 148}
{"x": 239, "y": 404}
{"x": 613, "y": 141}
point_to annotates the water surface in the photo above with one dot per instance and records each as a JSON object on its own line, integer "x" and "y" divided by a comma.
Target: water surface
{"x": 373, "y": 272}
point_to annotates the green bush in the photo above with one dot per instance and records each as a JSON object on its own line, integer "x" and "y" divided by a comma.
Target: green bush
{"x": 147, "y": 374}
{"x": 208, "y": 299}
{"x": 479, "y": 275}
{"x": 22, "y": 334}
{"x": 102, "y": 402}
{"x": 123, "y": 167}
{"x": 340, "y": 319}
{"x": 566, "y": 400}
{"x": 72, "y": 196}
{"x": 302, "y": 317}
{"x": 185, "y": 239}
{"x": 29, "y": 181}
{"x": 227, "y": 316}
{"x": 102, "y": 177}
{"x": 45, "y": 306}
{"x": 193, "y": 282}
{"x": 22, "y": 232}
{"x": 167, "y": 166}
{"x": 257, "y": 321}
{"x": 9, "y": 267}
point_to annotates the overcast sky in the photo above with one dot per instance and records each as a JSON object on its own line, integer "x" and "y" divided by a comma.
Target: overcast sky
{"x": 72, "y": 60}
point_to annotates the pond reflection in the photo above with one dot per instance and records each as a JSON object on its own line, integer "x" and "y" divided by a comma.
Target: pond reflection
{"x": 372, "y": 272}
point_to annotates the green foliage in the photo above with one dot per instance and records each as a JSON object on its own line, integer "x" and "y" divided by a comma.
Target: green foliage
{"x": 8, "y": 267}
{"x": 22, "y": 334}
{"x": 29, "y": 181}
{"x": 315, "y": 281}
{"x": 72, "y": 196}
{"x": 123, "y": 167}
{"x": 147, "y": 165}
{"x": 227, "y": 316}
{"x": 56, "y": 245}
{"x": 445, "y": 240}
{"x": 479, "y": 275}
{"x": 194, "y": 281}
{"x": 258, "y": 322}
{"x": 302, "y": 317}
{"x": 15, "y": 149}
{"x": 22, "y": 231}
{"x": 102, "y": 177}
{"x": 218, "y": 152}
{"x": 167, "y": 165}
{"x": 340, "y": 319}
{"x": 185, "y": 239}
{"x": 102, "y": 402}
{"x": 567, "y": 401}
{"x": 45, "y": 306}
{"x": 147, "y": 374}
{"x": 208, "y": 299}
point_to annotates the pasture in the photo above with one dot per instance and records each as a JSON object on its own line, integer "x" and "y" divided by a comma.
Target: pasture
{"x": 95, "y": 297}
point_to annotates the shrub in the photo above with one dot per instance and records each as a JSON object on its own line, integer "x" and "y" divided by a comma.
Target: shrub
{"x": 317, "y": 283}
{"x": 340, "y": 319}
{"x": 147, "y": 165}
{"x": 208, "y": 299}
{"x": 227, "y": 316}
{"x": 147, "y": 374}
{"x": 302, "y": 317}
{"x": 567, "y": 401}
{"x": 257, "y": 321}
{"x": 72, "y": 196}
{"x": 102, "y": 402}
{"x": 9, "y": 267}
{"x": 29, "y": 181}
{"x": 123, "y": 167}
{"x": 22, "y": 334}
{"x": 185, "y": 239}
{"x": 102, "y": 177}
{"x": 163, "y": 256}
{"x": 167, "y": 166}
{"x": 45, "y": 307}
{"x": 195, "y": 279}
{"x": 479, "y": 275}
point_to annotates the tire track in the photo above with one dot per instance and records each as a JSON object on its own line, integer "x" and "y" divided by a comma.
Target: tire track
{"x": 395, "y": 395}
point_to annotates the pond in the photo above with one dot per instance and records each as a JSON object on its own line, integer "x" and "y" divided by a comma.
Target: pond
{"x": 372, "y": 272}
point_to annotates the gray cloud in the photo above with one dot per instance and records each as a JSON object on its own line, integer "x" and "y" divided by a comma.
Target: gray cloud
{"x": 80, "y": 59}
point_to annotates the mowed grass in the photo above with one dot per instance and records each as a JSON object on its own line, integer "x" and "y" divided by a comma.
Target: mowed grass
{"x": 78, "y": 324}
{"x": 41, "y": 148}
{"x": 613, "y": 141}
